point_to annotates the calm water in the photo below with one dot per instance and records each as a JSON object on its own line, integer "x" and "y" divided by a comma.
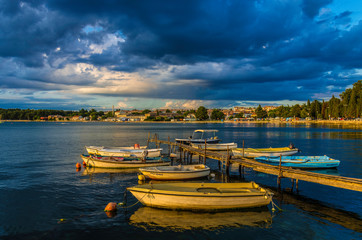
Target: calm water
{"x": 39, "y": 185}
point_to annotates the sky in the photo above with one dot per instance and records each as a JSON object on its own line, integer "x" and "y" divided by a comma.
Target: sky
{"x": 146, "y": 54}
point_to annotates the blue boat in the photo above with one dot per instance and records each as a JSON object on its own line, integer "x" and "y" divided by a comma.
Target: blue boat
{"x": 301, "y": 161}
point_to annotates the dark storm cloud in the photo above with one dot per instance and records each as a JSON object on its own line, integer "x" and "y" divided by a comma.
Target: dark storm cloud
{"x": 257, "y": 45}
{"x": 311, "y": 7}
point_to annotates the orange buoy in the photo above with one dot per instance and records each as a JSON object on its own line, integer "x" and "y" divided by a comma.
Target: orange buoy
{"x": 136, "y": 146}
{"x": 111, "y": 207}
{"x": 78, "y": 166}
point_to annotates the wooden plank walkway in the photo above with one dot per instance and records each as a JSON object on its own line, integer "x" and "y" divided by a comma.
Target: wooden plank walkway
{"x": 354, "y": 184}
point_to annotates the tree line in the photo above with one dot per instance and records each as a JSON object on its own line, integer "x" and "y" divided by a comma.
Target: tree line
{"x": 32, "y": 114}
{"x": 348, "y": 106}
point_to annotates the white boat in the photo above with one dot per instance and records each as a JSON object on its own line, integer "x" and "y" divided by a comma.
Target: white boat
{"x": 120, "y": 162}
{"x": 200, "y": 136}
{"x": 215, "y": 146}
{"x": 202, "y": 196}
{"x": 94, "y": 149}
{"x": 261, "y": 152}
{"x": 154, "y": 152}
{"x": 179, "y": 172}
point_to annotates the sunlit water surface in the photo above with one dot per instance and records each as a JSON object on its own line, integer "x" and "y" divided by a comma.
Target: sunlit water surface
{"x": 42, "y": 196}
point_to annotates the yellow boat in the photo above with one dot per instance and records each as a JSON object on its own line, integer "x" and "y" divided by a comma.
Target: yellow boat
{"x": 261, "y": 152}
{"x": 202, "y": 196}
{"x": 179, "y": 172}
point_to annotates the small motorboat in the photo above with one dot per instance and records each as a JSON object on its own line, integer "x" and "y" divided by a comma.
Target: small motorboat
{"x": 200, "y": 136}
{"x": 123, "y": 162}
{"x": 179, "y": 172}
{"x": 202, "y": 196}
{"x": 215, "y": 146}
{"x": 264, "y": 152}
{"x": 312, "y": 162}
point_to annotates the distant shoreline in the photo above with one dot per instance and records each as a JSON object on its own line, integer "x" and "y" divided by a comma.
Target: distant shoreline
{"x": 334, "y": 122}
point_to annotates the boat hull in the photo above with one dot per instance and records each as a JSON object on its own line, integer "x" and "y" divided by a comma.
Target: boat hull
{"x": 272, "y": 152}
{"x": 176, "y": 172}
{"x": 130, "y": 153}
{"x": 215, "y": 146}
{"x": 178, "y": 196}
{"x": 119, "y": 164}
{"x": 307, "y": 162}
{"x": 94, "y": 149}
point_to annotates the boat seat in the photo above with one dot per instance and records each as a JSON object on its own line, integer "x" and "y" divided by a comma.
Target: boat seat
{"x": 208, "y": 190}
{"x": 235, "y": 190}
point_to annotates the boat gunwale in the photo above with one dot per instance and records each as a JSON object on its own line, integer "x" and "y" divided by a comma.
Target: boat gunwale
{"x": 201, "y": 194}
{"x": 195, "y": 170}
{"x": 266, "y": 150}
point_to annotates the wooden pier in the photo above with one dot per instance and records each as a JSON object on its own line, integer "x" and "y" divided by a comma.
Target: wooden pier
{"x": 186, "y": 152}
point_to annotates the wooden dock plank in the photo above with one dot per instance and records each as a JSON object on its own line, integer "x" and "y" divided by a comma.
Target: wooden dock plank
{"x": 354, "y": 184}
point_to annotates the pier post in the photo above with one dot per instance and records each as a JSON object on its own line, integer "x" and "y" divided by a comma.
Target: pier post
{"x": 227, "y": 161}
{"x": 280, "y": 171}
{"x": 148, "y": 139}
{"x": 243, "y": 149}
{"x": 179, "y": 148}
{"x": 169, "y": 146}
{"x": 205, "y": 153}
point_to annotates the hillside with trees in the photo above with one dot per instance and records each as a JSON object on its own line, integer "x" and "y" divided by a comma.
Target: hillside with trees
{"x": 348, "y": 106}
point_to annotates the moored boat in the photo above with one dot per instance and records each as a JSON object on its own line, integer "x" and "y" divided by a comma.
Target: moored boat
{"x": 153, "y": 152}
{"x": 261, "y": 152}
{"x": 301, "y": 161}
{"x": 179, "y": 172}
{"x": 94, "y": 149}
{"x": 122, "y": 162}
{"x": 215, "y": 146}
{"x": 202, "y": 196}
{"x": 200, "y": 136}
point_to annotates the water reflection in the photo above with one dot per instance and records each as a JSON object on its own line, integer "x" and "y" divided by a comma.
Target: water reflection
{"x": 147, "y": 217}
{"x": 341, "y": 217}
{"x": 106, "y": 175}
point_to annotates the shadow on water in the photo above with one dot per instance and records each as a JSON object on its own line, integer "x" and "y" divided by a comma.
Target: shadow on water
{"x": 153, "y": 218}
{"x": 341, "y": 217}
{"x": 313, "y": 207}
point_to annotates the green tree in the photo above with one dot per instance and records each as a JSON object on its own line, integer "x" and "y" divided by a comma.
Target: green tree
{"x": 146, "y": 111}
{"x": 201, "y": 113}
{"x": 295, "y": 111}
{"x": 260, "y": 112}
{"x": 216, "y": 114}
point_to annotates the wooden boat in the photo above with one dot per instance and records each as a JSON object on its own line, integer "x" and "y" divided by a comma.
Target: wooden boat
{"x": 94, "y": 149}
{"x": 215, "y": 146}
{"x": 121, "y": 162}
{"x": 154, "y": 152}
{"x": 301, "y": 161}
{"x": 179, "y": 172}
{"x": 190, "y": 220}
{"x": 202, "y": 196}
{"x": 267, "y": 152}
{"x": 200, "y": 136}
